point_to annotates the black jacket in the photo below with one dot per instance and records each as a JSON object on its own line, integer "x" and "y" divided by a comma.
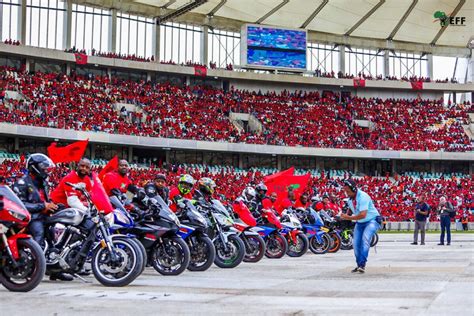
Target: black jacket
{"x": 151, "y": 190}
{"x": 28, "y": 190}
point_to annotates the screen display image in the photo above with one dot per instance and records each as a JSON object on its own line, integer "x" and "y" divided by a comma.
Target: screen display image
{"x": 271, "y": 47}
{"x": 275, "y": 38}
{"x": 277, "y": 59}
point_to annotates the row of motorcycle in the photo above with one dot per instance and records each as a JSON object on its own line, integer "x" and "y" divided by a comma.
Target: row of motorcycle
{"x": 119, "y": 245}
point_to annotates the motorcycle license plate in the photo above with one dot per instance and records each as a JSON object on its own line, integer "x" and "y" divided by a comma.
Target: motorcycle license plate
{"x": 324, "y": 229}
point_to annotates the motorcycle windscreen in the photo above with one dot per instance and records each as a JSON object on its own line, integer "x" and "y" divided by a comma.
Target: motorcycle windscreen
{"x": 10, "y": 195}
{"x": 193, "y": 213}
{"x": 218, "y": 206}
{"x": 99, "y": 197}
{"x": 12, "y": 202}
{"x": 116, "y": 203}
{"x": 165, "y": 210}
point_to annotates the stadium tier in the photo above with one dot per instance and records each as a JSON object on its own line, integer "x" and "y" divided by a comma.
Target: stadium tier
{"x": 308, "y": 119}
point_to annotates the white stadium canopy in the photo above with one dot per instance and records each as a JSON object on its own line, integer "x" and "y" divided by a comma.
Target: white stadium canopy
{"x": 400, "y": 20}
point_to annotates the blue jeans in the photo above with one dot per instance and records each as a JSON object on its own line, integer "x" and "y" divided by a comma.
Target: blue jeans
{"x": 363, "y": 233}
{"x": 445, "y": 226}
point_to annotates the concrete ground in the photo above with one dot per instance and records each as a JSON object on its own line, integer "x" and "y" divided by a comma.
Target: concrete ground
{"x": 401, "y": 279}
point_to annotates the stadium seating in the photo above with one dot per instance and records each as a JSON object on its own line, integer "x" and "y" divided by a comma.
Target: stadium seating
{"x": 76, "y": 102}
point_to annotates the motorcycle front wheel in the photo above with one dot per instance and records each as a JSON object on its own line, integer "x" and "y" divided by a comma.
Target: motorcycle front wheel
{"x": 202, "y": 252}
{"x": 233, "y": 255}
{"x": 122, "y": 271}
{"x": 320, "y": 247}
{"x": 31, "y": 269}
{"x": 336, "y": 244}
{"x": 375, "y": 240}
{"x": 276, "y": 246}
{"x": 298, "y": 248}
{"x": 171, "y": 256}
{"x": 255, "y": 248}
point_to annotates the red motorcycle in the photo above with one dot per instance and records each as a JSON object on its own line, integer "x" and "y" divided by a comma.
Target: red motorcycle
{"x": 22, "y": 262}
{"x": 246, "y": 224}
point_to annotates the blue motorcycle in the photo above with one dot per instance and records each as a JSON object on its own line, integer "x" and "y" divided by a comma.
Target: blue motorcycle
{"x": 317, "y": 233}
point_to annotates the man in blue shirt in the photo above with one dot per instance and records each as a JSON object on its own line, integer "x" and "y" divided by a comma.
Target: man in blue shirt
{"x": 367, "y": 222}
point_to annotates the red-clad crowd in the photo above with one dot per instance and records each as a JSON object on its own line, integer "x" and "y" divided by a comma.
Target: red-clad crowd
{"x": 394, "y": 197}
{"x": 12, "y": 42}
{"x": 298, "y": 118}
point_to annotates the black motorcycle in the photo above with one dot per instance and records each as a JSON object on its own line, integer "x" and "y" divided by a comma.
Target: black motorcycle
{"x": 72, "y": 236}
{"x": 193, "y": 230}
{"x": 157, "y": 228}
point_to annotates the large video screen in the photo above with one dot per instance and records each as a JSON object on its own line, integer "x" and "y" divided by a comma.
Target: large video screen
{"x": 270, "y": 47}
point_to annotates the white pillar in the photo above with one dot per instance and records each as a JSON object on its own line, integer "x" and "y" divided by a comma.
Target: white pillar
{"x": 67, "y": 30}
{"x": 386, "y": 64}
{"x": 429, "y": 65}
{"x": 113, "y": 31}
{"x": 156, "y": 41}
{"x": 205, "y": 46}
{"x": 23, "y": 22}
{"x": 342, "y": 58}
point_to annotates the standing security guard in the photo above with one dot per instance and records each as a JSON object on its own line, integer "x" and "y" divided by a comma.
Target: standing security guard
{"x": 33, "y": 191}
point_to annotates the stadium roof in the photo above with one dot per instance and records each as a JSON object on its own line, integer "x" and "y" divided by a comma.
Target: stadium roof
{"x": 409, "y": 21}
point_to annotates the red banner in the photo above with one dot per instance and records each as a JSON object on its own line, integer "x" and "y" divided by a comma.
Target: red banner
{"x": 69, "y": 153}
{"x": 200, "y": 71}
{"x": 417, "y": 85}
{"x": 284, "y": 173}
{"x": 99, "y": 197}
{"x": 359, "y": 83}
{"x": 110, "y": 166}
{"x": 81, "y": 59}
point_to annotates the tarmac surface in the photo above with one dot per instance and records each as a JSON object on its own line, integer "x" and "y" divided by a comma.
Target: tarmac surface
{"x": 400, "y": 279}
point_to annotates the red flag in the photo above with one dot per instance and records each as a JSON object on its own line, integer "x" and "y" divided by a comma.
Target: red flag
{"x": 99, "y": 197}
{"x": 81, "y": 59}
{"x": 417, "y": 85}
{"x": 110, "y": 166}
{"x": 69, "y": 153}
{"x": 281, "y": 185}
{"x": 200, "y": 71}
{"x": 359, "y": 82}
{"x": 275, "y": 176}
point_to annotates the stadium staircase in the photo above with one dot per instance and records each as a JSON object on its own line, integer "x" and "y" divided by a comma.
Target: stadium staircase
{"x": 243, "y": 120}
{"x": 469, "y": 128}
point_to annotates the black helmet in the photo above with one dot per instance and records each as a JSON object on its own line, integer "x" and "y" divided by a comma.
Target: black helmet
{"x": 261, "y": 190}
{"x": 38, "y": 165}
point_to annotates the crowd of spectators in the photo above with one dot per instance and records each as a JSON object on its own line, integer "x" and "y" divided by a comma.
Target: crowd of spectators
{"x": 122, "y": 56}
{"x": 9, "y": 41}
{"x": 202, "y": 113}
{"x": 394, "y": 197}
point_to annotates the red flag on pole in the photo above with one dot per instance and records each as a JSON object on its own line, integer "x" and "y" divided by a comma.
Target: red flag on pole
{"x": 81, "y": 59}
{"x": 69, "y": 153}
{"x": 417, "y": 85}
{"x": 359, "y": 83}
{"x": 110, "y": 166}
{"x": 200, "y": 71}
{"x": 99, "y": 197}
